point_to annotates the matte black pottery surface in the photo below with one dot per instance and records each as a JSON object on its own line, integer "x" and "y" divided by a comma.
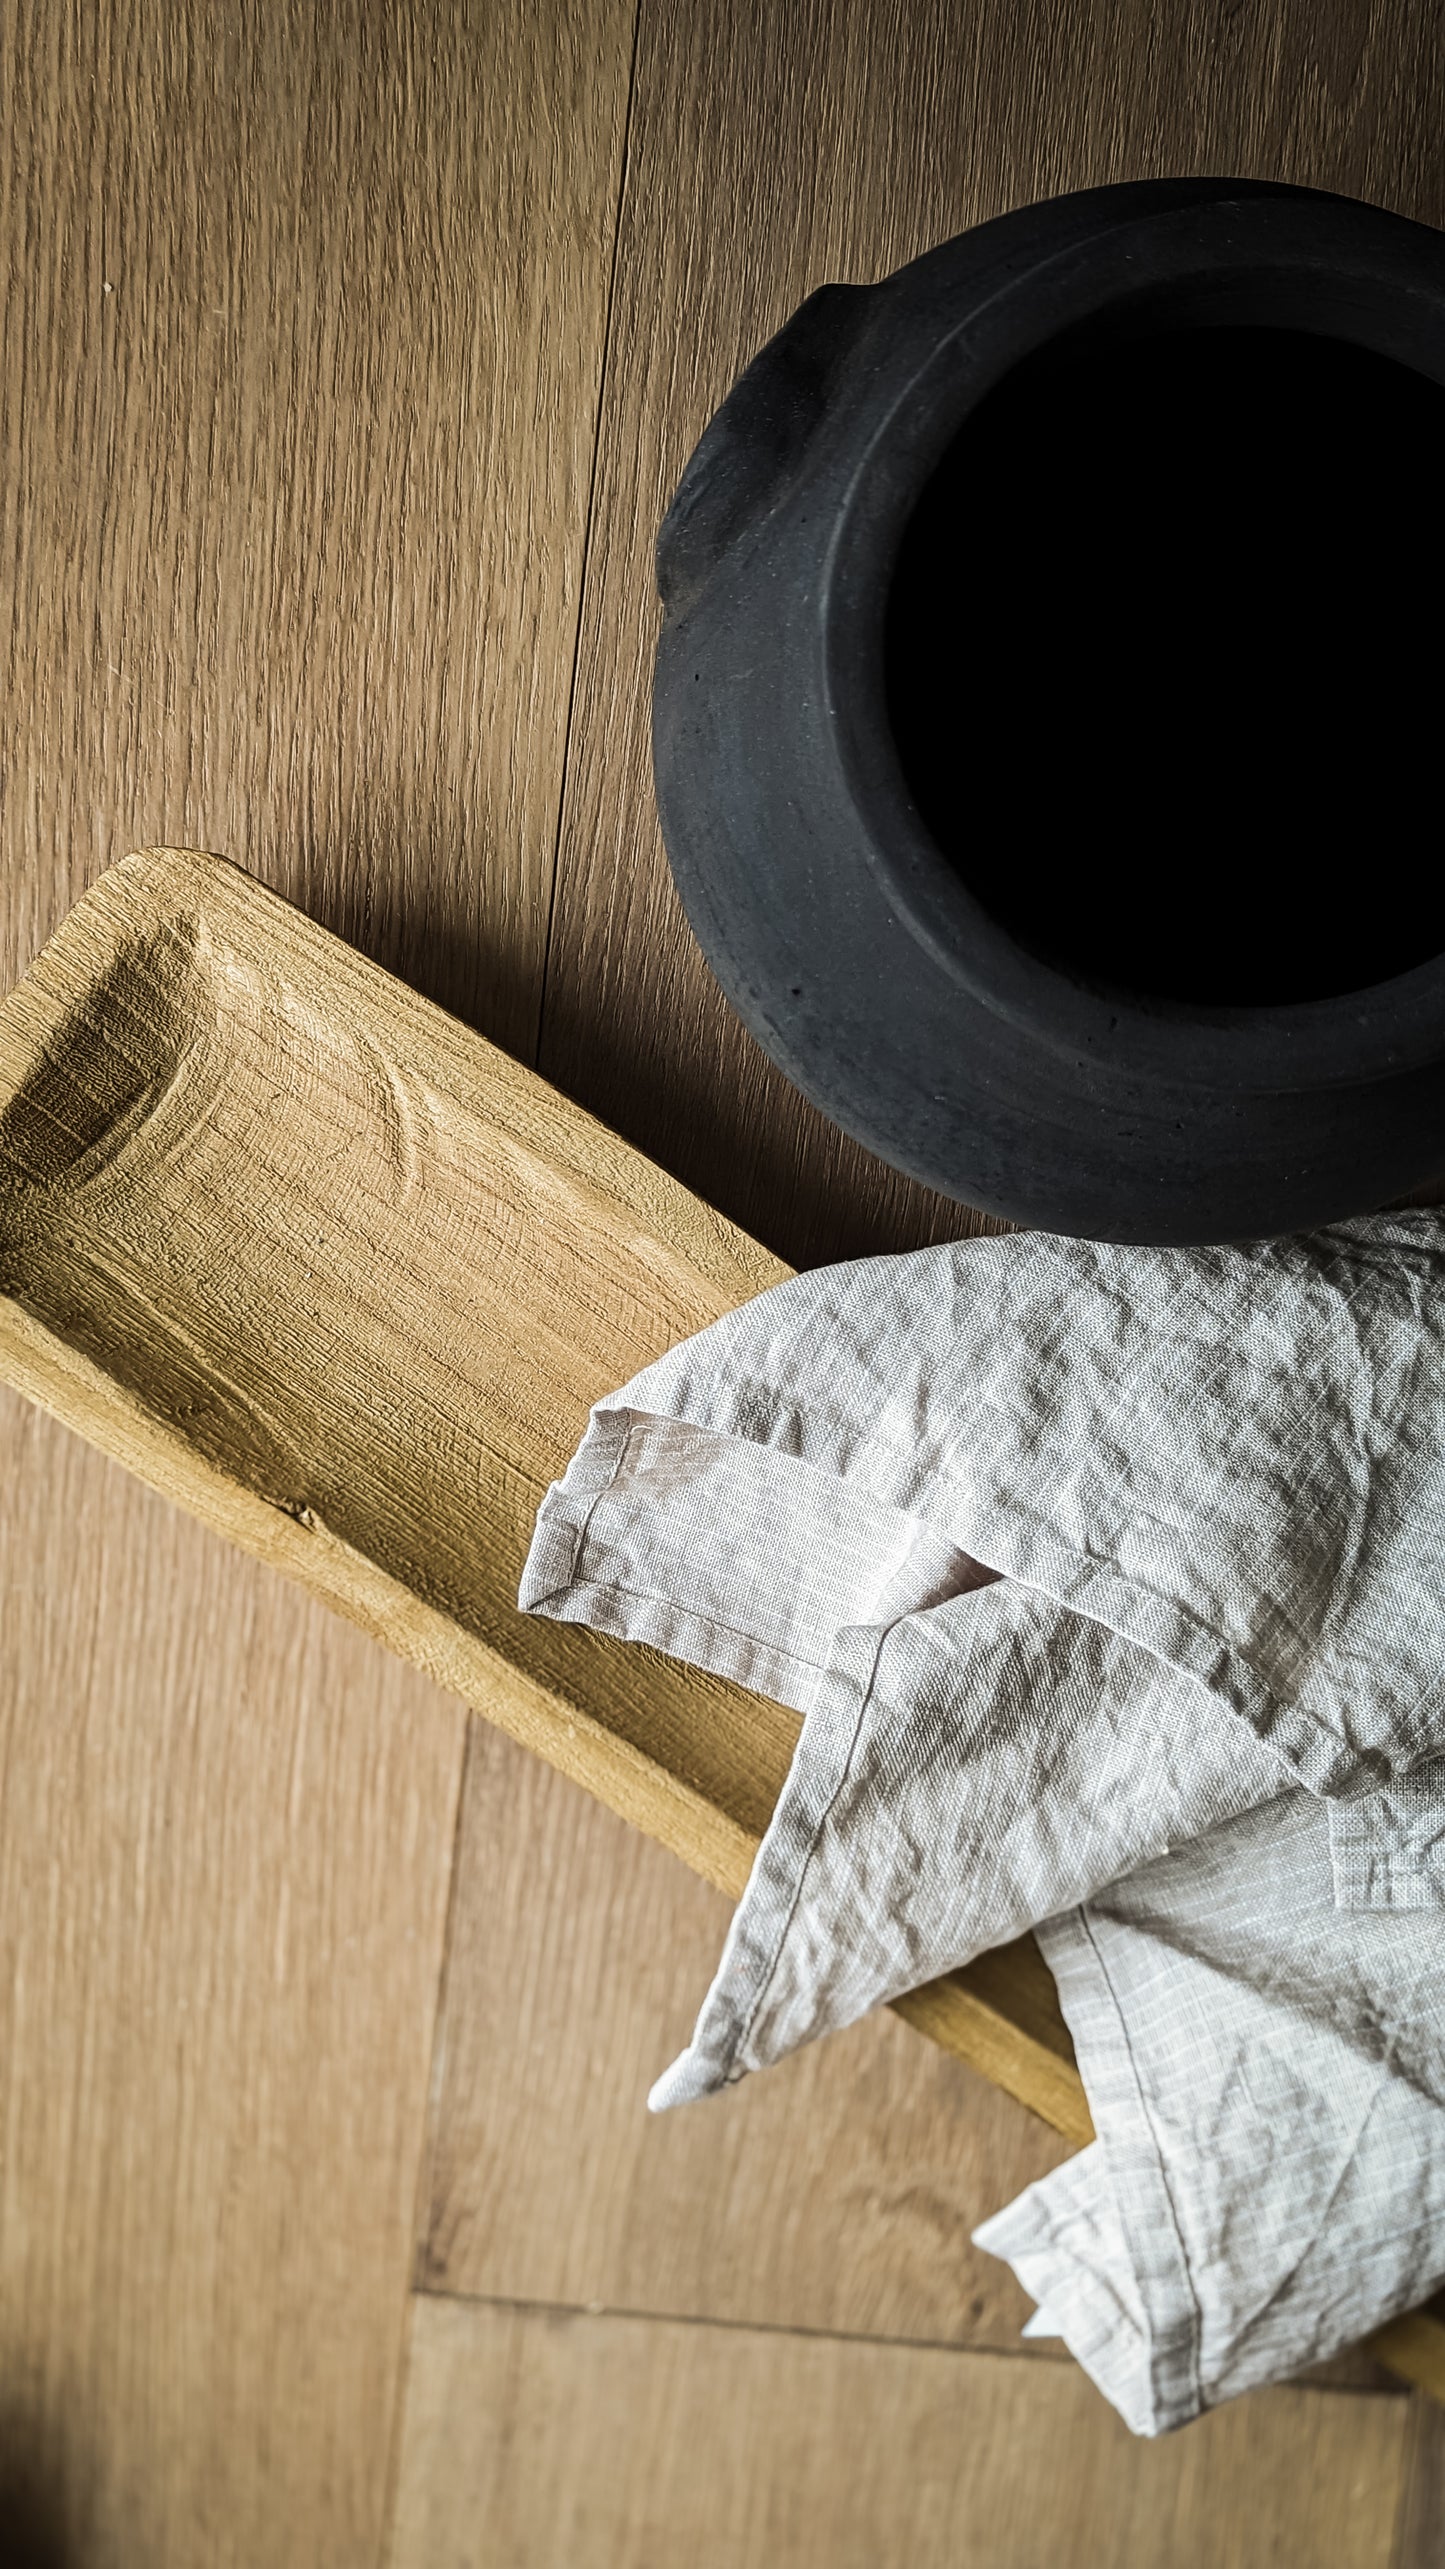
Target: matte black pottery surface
{"x": 1047, "y": 709}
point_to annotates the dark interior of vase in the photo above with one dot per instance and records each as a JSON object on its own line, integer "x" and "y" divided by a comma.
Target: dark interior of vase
{"x": 1164, "y": 662}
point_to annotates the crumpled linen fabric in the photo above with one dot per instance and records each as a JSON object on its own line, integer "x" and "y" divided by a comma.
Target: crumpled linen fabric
{"x": 1087, "y": 1567}
{"x": 1266, "y": 2073}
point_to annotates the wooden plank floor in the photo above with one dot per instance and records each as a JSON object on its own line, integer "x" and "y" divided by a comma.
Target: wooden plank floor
{"x": 349, "y": 356}
{"x": 226, "y": 1821}
{"x": 537, "y": 2435}
{"x": 835, "y": 2194}
{"x": 300, "y": 351}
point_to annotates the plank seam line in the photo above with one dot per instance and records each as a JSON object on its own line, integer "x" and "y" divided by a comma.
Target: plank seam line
{"x": 426, "y": 2155}
{"x": 524, "y": 2304}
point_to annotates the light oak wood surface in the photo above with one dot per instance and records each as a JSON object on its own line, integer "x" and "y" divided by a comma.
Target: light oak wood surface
{"x": 301, "y": 327}
{"x": 1422, "y": 2510}
{"x": 537, "y": 2437}
{"x": 225, "y": 1839}
{"x": 838, "y": 2194}
{"x": 300, "y": 356}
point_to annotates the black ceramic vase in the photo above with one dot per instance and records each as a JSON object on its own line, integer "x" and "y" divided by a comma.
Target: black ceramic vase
{"x": 1047, "y": 708}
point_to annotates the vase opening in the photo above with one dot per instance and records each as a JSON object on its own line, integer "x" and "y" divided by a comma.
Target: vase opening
{"x": 1163, "y": 661}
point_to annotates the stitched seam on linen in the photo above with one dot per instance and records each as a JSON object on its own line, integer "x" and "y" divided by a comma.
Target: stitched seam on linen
{"x": 735, "y": 1631}
{"x": 865, "y": 1697}
{"x": 569, "y": 1535}
{"x": 1161, "y": 2168}
{"x": 564, "y": 1579}
{"x": 624, "y": 1448}
{"x": 1281, "y": 1714}
{"x": 1091, "y": 1563}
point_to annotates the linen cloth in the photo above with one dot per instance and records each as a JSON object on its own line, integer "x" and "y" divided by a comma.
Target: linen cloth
{"x": 1267, "y": 2078}
{"x": 1211, "y": 1481}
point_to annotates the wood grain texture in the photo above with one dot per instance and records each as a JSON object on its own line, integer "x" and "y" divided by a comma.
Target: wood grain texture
{"x": 838, "y": 2193}
{"x": 1420, "y": 2538}
{"x": 301, "y": 316}
{"x": 325, "y": 1267}
{"x": 226, "y": 1824}
{"x": 1414, "y": 2347}
{"x": 770, "y": 151}
{"x": 534, "y": 2437}
{"x": 300, "y": 348}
